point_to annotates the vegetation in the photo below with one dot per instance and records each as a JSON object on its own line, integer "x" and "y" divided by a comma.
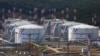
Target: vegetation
{"x": 85, "y": 8}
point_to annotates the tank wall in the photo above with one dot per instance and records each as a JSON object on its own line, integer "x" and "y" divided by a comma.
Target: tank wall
{"x": 24, "y": 35}
{"x": 75, "y": 34}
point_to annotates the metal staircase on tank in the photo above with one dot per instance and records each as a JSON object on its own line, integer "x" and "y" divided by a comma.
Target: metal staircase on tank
{"x": 64, "y": 29}
{"x": 11, "y": 35}
{"x": 55, "y": 25}
{"x": 44, "y": 31}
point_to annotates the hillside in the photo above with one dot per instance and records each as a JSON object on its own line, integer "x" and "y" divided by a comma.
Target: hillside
{"x": 85, "y": 8}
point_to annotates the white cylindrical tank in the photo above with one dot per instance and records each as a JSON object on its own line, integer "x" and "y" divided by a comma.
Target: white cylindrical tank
{"x": 82, "y": 32}
{"x": 23, "y": 33}
{"x": 10, "y": 27}
{"x": 65, "y": 27}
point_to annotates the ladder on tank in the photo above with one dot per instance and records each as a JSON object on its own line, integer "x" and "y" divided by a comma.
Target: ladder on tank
{"x": 11, "y": 35}
{"x": 63, "y": 31}
{"x": 54, "y": 27}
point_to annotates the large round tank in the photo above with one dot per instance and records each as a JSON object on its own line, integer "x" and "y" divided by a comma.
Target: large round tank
{"x": 65, "y": 27}
{"x": 82, "y": 32}
{"x": 23, "y": 33}
{"x": 10, "y": 27}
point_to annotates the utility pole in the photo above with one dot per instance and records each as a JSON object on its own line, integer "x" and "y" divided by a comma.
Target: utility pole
{"x": 89, "y": 37}
{"x": 29, "y": 43}
{"x": 67, "y": 47}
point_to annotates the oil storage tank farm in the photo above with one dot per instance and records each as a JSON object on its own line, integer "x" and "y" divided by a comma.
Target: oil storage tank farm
{"x": 26, "y": 33}
{"x": 64, "y": 27}
{"x": 82, "y": 32}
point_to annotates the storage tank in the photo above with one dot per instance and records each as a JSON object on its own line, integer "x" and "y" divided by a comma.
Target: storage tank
{"x": 65, "y": 27}
{"x": 82, "y": 32}
{"x": 9, "y": 21}
{"x": 26, "y": 32}
{"x": 10, "y": 27}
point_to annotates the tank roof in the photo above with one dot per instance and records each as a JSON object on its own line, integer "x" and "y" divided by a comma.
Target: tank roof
{"x": 85, "y": 26}
{"x": 31, "y": 26}
{"x": 71, "y": 23}
{"x": 23, "y": 22}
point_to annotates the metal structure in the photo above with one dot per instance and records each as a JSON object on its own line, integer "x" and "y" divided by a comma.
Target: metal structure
{"x": 53, "y": 25}
{"x": 47, "y": 24}
{"x": 10, "y": 27}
